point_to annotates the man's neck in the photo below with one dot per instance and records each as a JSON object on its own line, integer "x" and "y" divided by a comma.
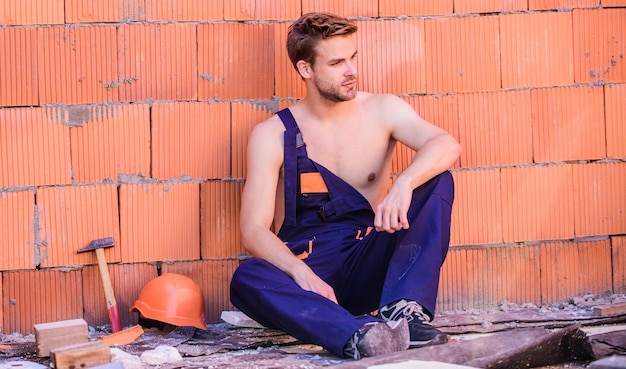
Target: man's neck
{"x": 325, "y": 110}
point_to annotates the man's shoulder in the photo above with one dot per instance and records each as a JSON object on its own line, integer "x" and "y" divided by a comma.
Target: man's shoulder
{"x": 273, "y": 122}
{"x": 380, "y": 102}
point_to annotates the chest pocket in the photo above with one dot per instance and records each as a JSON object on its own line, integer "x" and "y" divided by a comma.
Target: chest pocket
{"x": 312, "y": 184}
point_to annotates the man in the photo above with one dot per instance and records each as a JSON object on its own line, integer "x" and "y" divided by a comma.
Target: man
{"x": 348, "y": 244}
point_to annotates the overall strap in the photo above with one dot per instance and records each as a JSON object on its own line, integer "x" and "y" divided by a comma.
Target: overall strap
{"x": 292, "y": 141}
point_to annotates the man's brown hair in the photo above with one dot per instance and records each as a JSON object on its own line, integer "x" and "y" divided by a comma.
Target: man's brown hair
{"x": 309, "y": 29}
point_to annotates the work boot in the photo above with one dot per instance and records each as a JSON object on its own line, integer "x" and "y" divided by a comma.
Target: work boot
{"x": 422, "y": 332}
{"x": 378, "y": 338}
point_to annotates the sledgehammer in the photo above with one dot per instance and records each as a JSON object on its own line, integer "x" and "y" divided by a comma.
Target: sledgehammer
{"x": 99, "y": 245}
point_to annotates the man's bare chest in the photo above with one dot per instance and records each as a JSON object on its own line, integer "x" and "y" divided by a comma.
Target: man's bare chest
{"x": 359, "y": 160}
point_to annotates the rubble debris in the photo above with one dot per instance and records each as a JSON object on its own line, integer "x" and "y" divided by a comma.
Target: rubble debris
{"x": 21, "y": 365}
{"x": 519, "y": 348}
{"x": 239, "y": 319}
{"x": 609, "y": 362}
{"x": 609, "y": 343}
{"x": 411, "y": 364}
{"x": 161, "y": 355}
{"x": 127, "y": 360}
{"x": 226, "y": 346}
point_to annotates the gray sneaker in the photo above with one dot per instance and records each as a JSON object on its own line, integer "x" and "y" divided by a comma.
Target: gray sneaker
{"x": 378, "y": 338}
{"x": 421, "y": 331}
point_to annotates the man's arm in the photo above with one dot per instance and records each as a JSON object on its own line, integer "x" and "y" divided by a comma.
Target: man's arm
{"x": 265, "y": 158}
{"x": 436, "y": 151}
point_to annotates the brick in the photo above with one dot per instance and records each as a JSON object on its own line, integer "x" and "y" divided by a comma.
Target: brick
{"x": 489, "y": 6}
{"x": 615, "y": 110}
{"x": 18, "y": 67}
{"x": 288, "y": 81}
{"x": 531, "y": 196}
{"x": 34, "y": 147}
{"x": 395, "y": 62}
{"x": 477, "y": 210}
{"x": 20, "y": 12}
{"x": 599, "y": 45}
{"x": 394, "y": 8}
{"x": 2, "y": 328}
{"x": 533, "y": 50}
{"x": 242, "y": 67}
{"x": 244, "y": 117}
{"x": 127, "y": 279}
{"x": 71, "y": 217}
{"x": 94, "y": 11}
{"x": 180, "y": 133}
{"x": 495, "y": 128}
{"x": 600, "y": 198}
{"x": 610, "y": 3}
{"x": 159, "y": 222}
{"x": 566, "y": 269}
{"x": 561, "y": 4}
{"x": 33, "y": 297}
{"x": 462, "y": 54}
{"x": 345, "y": 8}
{"x": 618, "y": 256}
{"x": 441, "y": 111}
{"x": 213, "y": 277}
{"x": 261, "y": 10}
{"x": 109, "y": 140}
{"x": 184, "y": 10}
{"x": 75, "y": 68}
{"x": 566, "y": 125}
{"x": 17, "y": 223}
{"x": 483, "y": 277}
{"x": 219, "y": 204}
{"x": 158, "y": 61}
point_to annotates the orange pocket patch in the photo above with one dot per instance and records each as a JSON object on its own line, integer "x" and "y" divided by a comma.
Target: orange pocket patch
{"x": 312, "y": 183}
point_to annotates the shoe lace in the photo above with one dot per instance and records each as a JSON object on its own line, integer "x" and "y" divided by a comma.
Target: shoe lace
{"x": 351, "y": 349}
{"x": 405, "y": 309}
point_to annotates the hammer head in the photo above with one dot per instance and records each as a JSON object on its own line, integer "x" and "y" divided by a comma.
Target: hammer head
{"x": 100, "y": 243}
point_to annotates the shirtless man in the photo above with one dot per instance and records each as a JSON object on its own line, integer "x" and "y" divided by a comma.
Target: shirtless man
{"x": 348, "y": 244}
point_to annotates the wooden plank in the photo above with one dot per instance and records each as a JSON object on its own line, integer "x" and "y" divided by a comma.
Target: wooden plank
{"x": 82, "y": 355}
{"x": 60, "y": 333}
{"x": 608, "y": 310}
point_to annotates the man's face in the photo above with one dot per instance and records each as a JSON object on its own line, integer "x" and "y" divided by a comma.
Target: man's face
{"x": 334, "y": 73}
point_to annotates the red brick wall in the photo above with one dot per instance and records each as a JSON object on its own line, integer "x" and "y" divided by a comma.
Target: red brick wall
{"x": 129, "y": 119}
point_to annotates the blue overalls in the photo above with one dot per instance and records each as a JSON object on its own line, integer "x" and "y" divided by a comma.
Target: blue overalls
{"x": 328, "y": 224}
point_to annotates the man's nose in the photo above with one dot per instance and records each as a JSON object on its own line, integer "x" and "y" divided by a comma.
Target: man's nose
{"x": 350, "y": 68}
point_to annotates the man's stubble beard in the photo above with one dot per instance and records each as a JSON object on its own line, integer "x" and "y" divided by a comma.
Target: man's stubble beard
{"x": 333, "y": 93}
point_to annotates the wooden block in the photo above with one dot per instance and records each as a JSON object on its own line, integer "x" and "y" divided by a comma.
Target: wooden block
{"x": 82, "y": 355}
{"x": 60, "y": 333}
{"x": 612, "y": 309}
{"x": 123, "y": 337}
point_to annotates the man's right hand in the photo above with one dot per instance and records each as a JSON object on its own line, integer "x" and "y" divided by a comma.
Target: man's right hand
{"x": 307, "y": 280}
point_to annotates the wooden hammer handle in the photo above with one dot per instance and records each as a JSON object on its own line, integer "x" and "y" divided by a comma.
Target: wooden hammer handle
{"x": 114, "y": 317}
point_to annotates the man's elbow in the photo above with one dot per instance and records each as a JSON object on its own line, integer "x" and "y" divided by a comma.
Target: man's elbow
{"x": 455, "y": 149}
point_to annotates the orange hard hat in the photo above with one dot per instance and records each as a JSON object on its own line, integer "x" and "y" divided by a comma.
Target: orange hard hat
{"x": 174, "y": 299}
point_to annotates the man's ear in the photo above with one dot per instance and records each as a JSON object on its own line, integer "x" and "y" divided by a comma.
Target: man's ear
{"x": 304, "y": 68}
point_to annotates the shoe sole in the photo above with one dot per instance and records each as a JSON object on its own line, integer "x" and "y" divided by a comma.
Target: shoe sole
{"x": 438, "y": 340}
{"x": 385, "y": 338}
